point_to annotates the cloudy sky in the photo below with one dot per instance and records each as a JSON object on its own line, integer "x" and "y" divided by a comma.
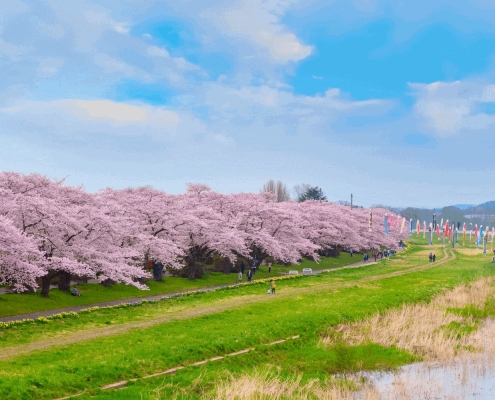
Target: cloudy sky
{"x": 391, "y": 100}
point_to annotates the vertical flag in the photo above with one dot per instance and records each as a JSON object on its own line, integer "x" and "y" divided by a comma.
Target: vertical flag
{"x": 493, "y": 234}
{"x": 403, "y": 224}
{"x": 410, "y": 226}
{"x": 464, "y": 234}
{"x": 385, "y": 224}
{"x": 417, "y": 227}
{"x": 370, "y": 221}
{"x": 424, "y": 229}
{"x": 438, "y": 232}
{"x": 470, "y": 232}
{"x": 391, "y": 220}
{"x": 485, "y": 239}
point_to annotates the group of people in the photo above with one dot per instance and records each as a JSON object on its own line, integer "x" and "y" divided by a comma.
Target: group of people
{"x": 432, "y": 257}
{"x": 378, "y": 254}
{"x": 252, "y": 270}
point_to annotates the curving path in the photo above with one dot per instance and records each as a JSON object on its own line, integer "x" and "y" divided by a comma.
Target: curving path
{"x": 200, "y": 310}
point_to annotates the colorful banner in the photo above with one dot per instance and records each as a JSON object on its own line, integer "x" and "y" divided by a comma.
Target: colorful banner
{"x": 370, "y": 221}
{"x": 485, "y": 240}
{"x": 438, "y": 232}
{"x": 424, "y": 229}
{"x": 403, "y": 224}
{"x": 385, "y": 224}
{"x": 464, "y": 234}
{"x": 410, "y": 226}
{"x": 417, "y": 227}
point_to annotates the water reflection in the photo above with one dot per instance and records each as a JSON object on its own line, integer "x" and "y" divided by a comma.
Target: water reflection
{"x": 471, "y": 376}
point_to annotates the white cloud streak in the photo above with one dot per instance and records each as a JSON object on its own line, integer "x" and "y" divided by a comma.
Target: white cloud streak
{"x": 450, "y": 108}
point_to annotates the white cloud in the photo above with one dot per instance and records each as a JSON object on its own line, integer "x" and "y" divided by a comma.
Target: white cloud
{"x": 13, "y": 52}
{"x": 448, "y": 108}
{"x": 49, "y": 66}
{"x": 119, "y": 113}
{"x": 155, "y": 51}
{"x": 257, "y": 22}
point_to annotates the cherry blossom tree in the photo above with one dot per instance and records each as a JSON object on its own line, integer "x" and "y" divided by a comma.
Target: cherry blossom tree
{"x": 19, "y": 258}
{"x": 206, "y": 230}
{"x": 49, "y": 229}
{"x": 149, "y": 220}
{"x": 70, "y": 228}
{"x": 268, "y": 227}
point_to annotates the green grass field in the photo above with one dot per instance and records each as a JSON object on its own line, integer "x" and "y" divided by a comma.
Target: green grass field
{"x": 71, "y": 355}
{"x": 15, "y": 304}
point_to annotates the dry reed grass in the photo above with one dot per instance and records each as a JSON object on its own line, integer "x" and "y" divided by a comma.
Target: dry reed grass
{"x": 421, "y": 328}
{"x": 416, "y": 328}
{"x": 269, "y": 385}
{"x": 471, "y": 251}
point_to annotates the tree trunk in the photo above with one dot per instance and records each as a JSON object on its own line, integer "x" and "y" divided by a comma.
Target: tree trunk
{"x": 64, "y": 281}
{"x": 45, "y": 284}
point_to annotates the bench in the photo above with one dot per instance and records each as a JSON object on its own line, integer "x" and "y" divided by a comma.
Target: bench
{"x": 293, "y": 272}
{"x": 307, "y": 271}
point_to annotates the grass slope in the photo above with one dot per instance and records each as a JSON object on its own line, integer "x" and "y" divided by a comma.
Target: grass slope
{"x": 16, "y": 304}
{"x": 232, "y": 320}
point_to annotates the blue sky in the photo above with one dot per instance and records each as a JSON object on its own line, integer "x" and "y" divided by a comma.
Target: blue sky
{"x": 392, "y": 101}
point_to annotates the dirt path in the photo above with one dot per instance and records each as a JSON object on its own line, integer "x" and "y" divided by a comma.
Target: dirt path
{"x": 207, "y": 309}
{"x": 134, "y": 300}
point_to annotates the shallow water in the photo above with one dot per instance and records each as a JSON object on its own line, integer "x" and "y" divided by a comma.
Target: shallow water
{"x": 471, "y": 376}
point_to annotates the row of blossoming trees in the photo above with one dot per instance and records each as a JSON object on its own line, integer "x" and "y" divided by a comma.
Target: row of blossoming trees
{"x": 49, "y": 229}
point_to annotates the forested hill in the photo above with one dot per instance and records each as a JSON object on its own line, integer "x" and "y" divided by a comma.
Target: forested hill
{"x": 481, "y": 214}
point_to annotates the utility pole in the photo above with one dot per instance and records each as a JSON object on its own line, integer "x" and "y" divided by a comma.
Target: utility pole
{"x": 351, "y": 201}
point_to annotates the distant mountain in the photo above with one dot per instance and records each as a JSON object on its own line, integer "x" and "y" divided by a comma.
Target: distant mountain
{"x": 481, "y": 214}
{"x": 464, "y": 206}
{"x": 486, "y": 206}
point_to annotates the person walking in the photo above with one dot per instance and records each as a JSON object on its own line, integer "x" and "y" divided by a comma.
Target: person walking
{"x": 269, "y": 267}
{"x": 431, "y": 257}
{"x": 434, "y": 257}
{"x": 242, "y": 267}
{"x": 249, "y": 275}
{"x": 240, "y": 276}
{"x": 273, "y": 285}
{"x": 255, "y": 262}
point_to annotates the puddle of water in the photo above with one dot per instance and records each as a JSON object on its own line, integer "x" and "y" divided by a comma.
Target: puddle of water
{"x": 470, "y": 376}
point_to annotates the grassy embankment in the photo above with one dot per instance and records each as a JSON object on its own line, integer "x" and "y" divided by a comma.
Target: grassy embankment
{"x": 70, "y": 355}
{"x": 15, "y": 304}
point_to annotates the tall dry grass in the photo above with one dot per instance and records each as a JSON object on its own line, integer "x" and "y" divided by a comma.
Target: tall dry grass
{"x": 269, "y": 385}
{"x": 421, "y": 328}
{"x": 418, "y": 328}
